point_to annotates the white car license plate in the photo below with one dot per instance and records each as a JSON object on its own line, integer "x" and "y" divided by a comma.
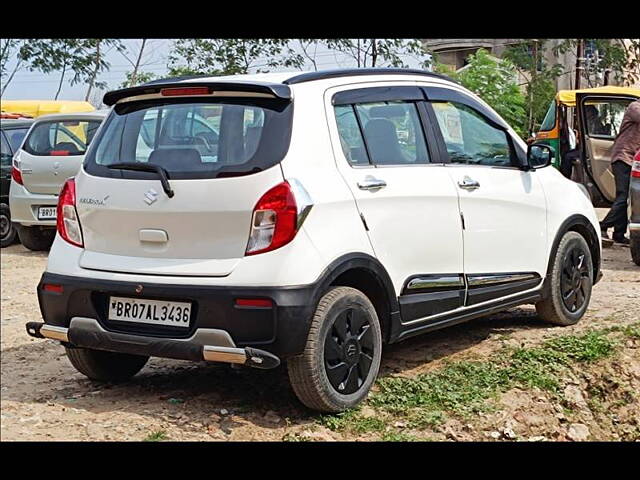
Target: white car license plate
{"x": 47, "y": 213}
{"x": 155, "y": 312}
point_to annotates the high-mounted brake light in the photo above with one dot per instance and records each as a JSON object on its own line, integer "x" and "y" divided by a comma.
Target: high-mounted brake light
{"x": 59, "y": 153}
{"x": 67, "y": 222}
{"x": 173, "y": 92}
{"x": 16, "y": 174}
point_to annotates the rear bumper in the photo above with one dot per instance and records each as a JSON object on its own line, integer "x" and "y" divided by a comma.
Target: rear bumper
{"x": 281, "y": 329}
{"x": 24, "y": 206}
{"x": 205, "y": 344}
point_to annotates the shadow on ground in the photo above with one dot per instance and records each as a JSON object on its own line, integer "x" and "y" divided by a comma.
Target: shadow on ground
{"x": 174, "y": 390}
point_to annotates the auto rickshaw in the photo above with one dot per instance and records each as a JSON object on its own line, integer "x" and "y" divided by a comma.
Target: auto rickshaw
{"x": 581, "y": 125}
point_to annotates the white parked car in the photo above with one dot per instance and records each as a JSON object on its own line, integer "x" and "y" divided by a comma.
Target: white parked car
{"x": 51, "y": 152}
{"x": 331, "y": 212}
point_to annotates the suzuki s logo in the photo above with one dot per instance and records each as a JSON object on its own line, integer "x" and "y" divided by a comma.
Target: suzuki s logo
{"x": 151, "y": 196}
{"x": 351, "y": 350}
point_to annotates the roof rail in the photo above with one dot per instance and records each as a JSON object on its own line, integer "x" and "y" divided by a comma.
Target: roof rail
{"x": 348, "y": 72}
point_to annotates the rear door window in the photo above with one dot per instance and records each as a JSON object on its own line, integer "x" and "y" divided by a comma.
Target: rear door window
{"x": 65, "y": 137}
{"x": 193, "y": 139}
{"x": 15, "y": 137}
{"x": 382, "y": 133}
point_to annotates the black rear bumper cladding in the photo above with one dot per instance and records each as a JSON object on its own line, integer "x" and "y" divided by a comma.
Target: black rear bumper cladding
{"x": 281, "y": 330}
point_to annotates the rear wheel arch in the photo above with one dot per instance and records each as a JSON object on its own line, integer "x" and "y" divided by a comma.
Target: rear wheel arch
{"x": 365, "y": 273}
{"x": 579, "y": 224}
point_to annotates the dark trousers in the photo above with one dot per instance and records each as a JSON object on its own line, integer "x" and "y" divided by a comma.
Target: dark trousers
{"x": 618, "y": 217}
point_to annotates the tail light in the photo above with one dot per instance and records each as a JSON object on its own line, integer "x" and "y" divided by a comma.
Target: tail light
{"x": 67, "y": 221}
{"x": 635, "y": 166}
{"x": 16, "y": 174}
{"x": 277, "y": 217}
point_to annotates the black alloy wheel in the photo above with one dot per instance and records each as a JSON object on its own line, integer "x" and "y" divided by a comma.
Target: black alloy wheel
{"x": 575, "y": 280}
{"x": 349, "y": 351}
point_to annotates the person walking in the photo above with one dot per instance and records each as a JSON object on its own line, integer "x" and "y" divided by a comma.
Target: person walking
{"x": 625, "y": 146}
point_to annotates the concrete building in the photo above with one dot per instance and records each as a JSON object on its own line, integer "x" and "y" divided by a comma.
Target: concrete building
{"x": 455, "y": 51}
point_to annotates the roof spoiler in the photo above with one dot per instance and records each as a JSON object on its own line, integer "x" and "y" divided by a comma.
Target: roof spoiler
{"x": 276, "y": 90}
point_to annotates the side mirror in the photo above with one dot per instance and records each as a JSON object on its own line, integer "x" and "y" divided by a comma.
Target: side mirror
{"x": 540, "y": 155}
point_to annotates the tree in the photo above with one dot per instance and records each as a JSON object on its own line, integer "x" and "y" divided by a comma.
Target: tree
{"x": 83, "y": 57}
{"x": 95, "y": 62}
{"x": 8, "y": 48}
{"x": 229, "y": 56}
{"x": 494, "y": 81}
{"x": 52, "y": 55}
{"x": 539, "y": 77}
{"x": 140, "y": 78}
{"x": 378, "y": 52}
{"x": 604, "y": 56}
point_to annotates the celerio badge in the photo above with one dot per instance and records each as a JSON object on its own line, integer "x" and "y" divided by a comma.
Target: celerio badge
{"x": 151, "y": 196}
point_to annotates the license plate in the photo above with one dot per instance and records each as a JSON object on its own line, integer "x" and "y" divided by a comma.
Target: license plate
{"x": 47, "y": 213}
{"x": 155, "y": 312}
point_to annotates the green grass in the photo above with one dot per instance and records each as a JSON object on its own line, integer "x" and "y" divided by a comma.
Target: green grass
{"x": 156, "y": 436}
{"x": 400, "y": 437}
{"x": 466, "y": 388}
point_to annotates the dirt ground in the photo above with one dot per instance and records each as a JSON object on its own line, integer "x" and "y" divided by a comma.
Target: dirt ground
{"x": 44, "y": 398}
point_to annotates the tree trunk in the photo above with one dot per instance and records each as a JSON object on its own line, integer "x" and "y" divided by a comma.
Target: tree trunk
{"x": 95, "y": 71}
{"x": 6, "y": 84}
{"x": 64, "y": 68}
{"x": 132, "y": 82}
{"x": 374, "y": 52}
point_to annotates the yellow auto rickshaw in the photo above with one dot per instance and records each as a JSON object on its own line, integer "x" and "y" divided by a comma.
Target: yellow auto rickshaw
{"x": 581, "y": 126}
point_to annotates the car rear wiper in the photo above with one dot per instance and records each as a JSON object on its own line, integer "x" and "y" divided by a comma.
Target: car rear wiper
{"x": 147, "y": 167}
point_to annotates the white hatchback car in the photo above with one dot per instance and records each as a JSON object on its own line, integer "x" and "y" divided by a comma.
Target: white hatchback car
{"x": 51, "y": 152}
{"x": 310, "y": 217}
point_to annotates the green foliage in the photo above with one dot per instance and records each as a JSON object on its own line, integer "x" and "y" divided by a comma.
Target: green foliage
{"x": 156, "y": 436}
{"x": 399, "y": 437}
{"x": 141, "y": 77}
{"x": 465, "y": 388}
{"x": 378, "y": 52}
{"x": 229, "y": 56}
{"x": 495, "y": 82}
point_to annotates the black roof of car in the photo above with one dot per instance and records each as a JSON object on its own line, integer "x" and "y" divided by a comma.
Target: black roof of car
{"x": 278, "y": 89}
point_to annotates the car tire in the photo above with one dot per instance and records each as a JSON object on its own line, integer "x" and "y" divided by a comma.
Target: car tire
{"x": 7, "y": 229}
{"x": 567, "y": 291}
{"x": 634, "y": 243}
{"x": 342, "y": 355}
{"x": 36, "y": 238}
{"x": 105, "y": 366}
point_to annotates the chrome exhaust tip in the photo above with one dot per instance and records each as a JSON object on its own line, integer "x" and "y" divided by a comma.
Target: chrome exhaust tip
{"x": 42, "y": 330}
{"x": 250, "y": 357}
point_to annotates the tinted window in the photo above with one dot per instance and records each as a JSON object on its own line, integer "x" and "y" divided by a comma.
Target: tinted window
{"x": 15, "y": 136}
{"x": 470, "y": 138}
{"x": 194, "y": 139}
{"x": 5, "y": 151}
{"x": 603, "y": 117}
{"x": 61, "y": 137}
{"x": 390, "y": 132}
{"x": 351, "y": 136}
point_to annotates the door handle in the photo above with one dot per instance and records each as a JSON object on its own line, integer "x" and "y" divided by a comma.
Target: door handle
{"x": 468, "y": 183}
{"x": 371, "y": 183}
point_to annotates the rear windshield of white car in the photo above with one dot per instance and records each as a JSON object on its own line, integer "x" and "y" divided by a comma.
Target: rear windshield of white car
{"x": 61, "y": 138}
{"x": 193, "y": 138}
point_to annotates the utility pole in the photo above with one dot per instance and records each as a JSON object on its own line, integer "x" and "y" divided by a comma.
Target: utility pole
{"x": 579, "y": 53}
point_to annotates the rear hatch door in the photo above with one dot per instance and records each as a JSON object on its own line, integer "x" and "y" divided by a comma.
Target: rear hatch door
{"x": 53, "y": 151}
{"x": 220, "y": 157}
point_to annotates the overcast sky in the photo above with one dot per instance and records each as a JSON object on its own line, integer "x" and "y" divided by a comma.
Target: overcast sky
{"x": 28, "y": 85}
